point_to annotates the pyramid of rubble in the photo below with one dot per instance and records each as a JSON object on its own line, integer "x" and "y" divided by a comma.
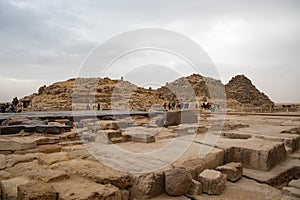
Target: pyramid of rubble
{"x": 241, "y": 89}
{"x": 116, "y": 94}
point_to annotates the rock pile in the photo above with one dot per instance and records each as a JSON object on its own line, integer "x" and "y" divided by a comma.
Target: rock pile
{"x": 241, "y": 89}
{"x": 87, "y": 93}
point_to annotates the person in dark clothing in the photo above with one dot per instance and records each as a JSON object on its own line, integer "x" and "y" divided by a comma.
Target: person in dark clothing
{"x": 99, "y": 106}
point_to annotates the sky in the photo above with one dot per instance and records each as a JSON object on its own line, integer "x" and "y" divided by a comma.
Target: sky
{"x": 42, "y": 42}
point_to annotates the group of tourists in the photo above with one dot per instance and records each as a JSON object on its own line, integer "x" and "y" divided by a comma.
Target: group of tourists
{"x": 175, "y": 106}
{"x": 13, "y": 107}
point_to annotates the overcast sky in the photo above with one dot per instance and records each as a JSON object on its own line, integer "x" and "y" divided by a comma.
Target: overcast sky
{"x": 42, "y": 42}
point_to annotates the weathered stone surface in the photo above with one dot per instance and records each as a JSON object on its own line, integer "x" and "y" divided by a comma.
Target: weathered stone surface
{"x": 4, "y": 175}
{"x": 144, "y": 138}
{"x": 36, "y": 190}
{"x": 149, "y": 185}
{"x": 9, "y": 130}
{"x": 213, "y": 182}
{"x": 178, "y": 181}
{"x": 47, "y": 140}
{"x": 49, "y": 159}
{"x": 291, "y": 191}
{"x": 256, "y": 154}
{"x": 295, "y": 183}
{"x": 14, "y": 121}
{"x": 180, "y": 117}
{"x": 49, "y": 148}
{"x": 14, "y": 159}
{"x": 9, "y": 187}
{"x": 196, "y": 188}
{"x": 233, "y": 171}
{"x": 82, "y": 189}
{"x": 95, "y": 171}
{"x": 35, "y": 171}
{"x": 14, "y": 144}
{"x": 2, "y": 161}
{"x": 125, "y": 194}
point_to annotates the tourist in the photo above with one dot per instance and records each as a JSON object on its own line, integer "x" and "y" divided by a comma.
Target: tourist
{"x": 99, "y": 106}
{"x": 165, "y": 105}
{"x": 169, "y": 106}
{"x": 88, "y": 107}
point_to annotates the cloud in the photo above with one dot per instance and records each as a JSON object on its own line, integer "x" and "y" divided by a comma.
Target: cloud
{"x": 48, "y": 40}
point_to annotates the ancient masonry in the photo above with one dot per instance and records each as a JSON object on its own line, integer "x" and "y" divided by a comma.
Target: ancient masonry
{"x": 113, "y": 94}
{"x": 48, "y": 155}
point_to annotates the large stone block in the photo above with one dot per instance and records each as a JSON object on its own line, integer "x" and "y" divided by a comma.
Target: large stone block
{"x": 9, "y": 187}
{"x": 233, "y": 171}
{"x": 149, "y": 185}
{"x": 16, "y": 144}
{"x": 142, "y": 137}
{"x": 257, "y": 154}
{"x": 196, "y": 188}
{"x": 213, "y": 182}
{"x": 180, "y": 117}
{"x": 178, "y": 181}
{"x": 36, "y": 190}
{"x": 95, "y": 171}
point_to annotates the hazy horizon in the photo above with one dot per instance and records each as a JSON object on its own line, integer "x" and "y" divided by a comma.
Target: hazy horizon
{"x": 43, "y": 42}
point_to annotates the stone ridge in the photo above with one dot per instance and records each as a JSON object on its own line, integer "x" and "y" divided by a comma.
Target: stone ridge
{"x": 117, "y": 94}
{"x": 241, "y": 89}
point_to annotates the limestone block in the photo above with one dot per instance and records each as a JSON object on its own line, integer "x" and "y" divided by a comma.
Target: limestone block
{"x": 49, "y": 159}
{"x": 213, "y": 182}
{"x": 141, "y": 137}
{"x": 18, "y": 144}
{"x": 196, "y": 188}
{"x": 9, "y": 187}
{"x": 148, "y": 185}
{"x": 81, "y": 189}
{"x": 2, "y": 161}
{"x": 291, "y": 191}
{"x": 178, "y": 181}
{"x": 233, "y": 171}
{"x": 95, "y": 171}
{"x": 295, "y": 183}
{"x": 180, "y": 117}
{"x": 49, "y": 148}
{"x": 36, "y": 190}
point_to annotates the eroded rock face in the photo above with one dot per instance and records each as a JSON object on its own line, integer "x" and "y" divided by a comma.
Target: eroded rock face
{"x": 213, "y": 182}
{"x": 180, "y": 117}
{"x": 9, "y": 187}
{"x": 36, "y": 190}
{"x": 95, "y": 171}
{"x": 178, "y": 181}
{"x": 257, "y": 154}
{"x": 149, "y": 185}
{"x": 233, "y": 171}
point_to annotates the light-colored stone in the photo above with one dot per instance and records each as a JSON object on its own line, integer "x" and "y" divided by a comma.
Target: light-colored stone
{"x": 36, "y": 190}
{"x": 213, "y": 182}
{"x": 196, "y": 188}
{"x": 2, "y": 161}
{"x": 16, "y": 144}
{"x": 49, "y": 159}
{"x": 35, "y": 171}
{"x": 295, "y": 183}
{"x": 178, "y": 181}
{"x": 9, "y": 187}
{"x": 49, "y": 148}
{"x": 180, "y": 117}
{"x": 233, "y": 171}
{"x": 95, "y": 171}
{"x": 144, "y": 138}
{"x": 82, "y": 189}
{"x": 14, "y": 159}
{"x": 291, "y": 191}
{"x": 149, "y": 185}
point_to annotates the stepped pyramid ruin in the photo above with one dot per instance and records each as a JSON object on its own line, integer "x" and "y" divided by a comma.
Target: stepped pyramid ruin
{"x": 117, "y": 94}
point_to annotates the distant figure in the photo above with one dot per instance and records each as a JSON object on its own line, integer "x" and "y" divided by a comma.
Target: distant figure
{"x": 165, "y": 105}
{"x": 169, "y": 106}
{"x": 173, "y": 106}
{"x": 3, "y": 108}
{"x": 88, "y": 107}
{"x": 122, "y": 78}
{"x": 15, "y": 101}
{"x": 99, "y": 106}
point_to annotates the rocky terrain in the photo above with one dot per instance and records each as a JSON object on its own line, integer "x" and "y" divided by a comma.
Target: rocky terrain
{"x": 57, "y": 158}
{"x": 117, "y": 94}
